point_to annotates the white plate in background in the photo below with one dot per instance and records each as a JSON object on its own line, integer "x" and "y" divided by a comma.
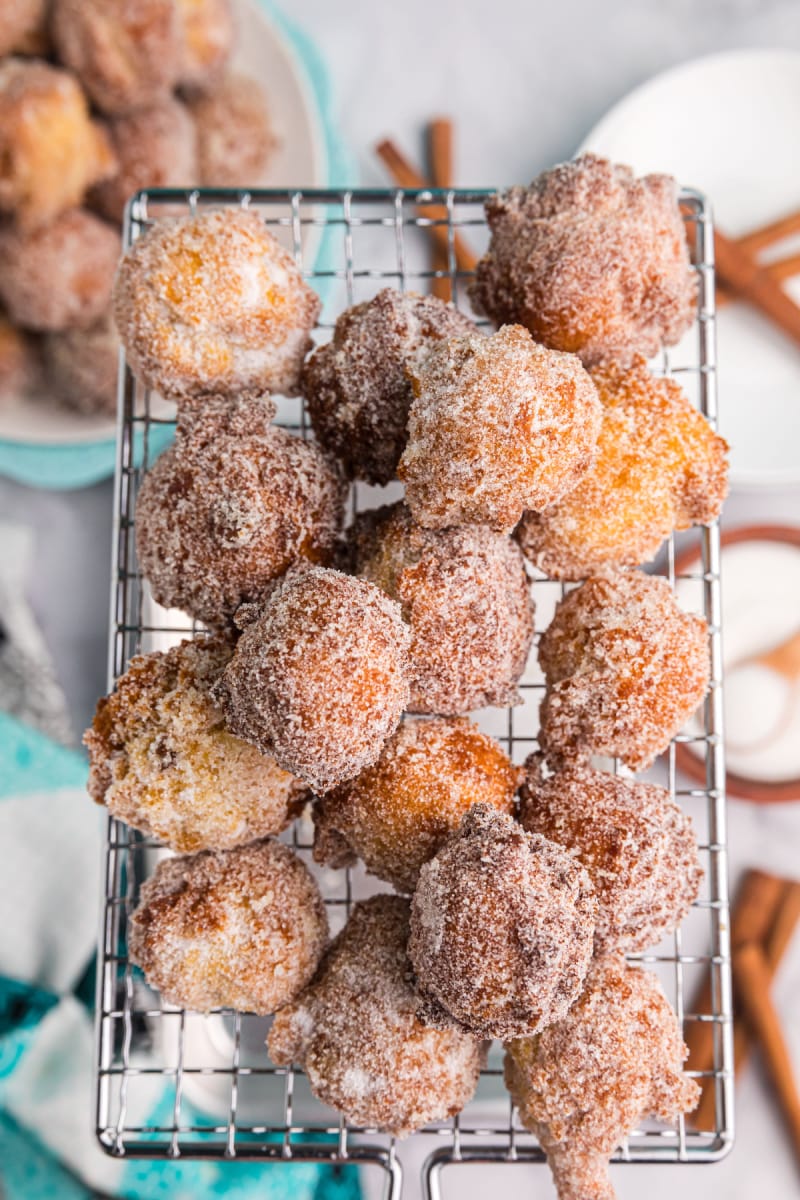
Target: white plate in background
{"x": 727, "y": 124}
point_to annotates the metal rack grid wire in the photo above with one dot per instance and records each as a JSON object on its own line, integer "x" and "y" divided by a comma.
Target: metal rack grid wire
{"x": 159, "y": 1093}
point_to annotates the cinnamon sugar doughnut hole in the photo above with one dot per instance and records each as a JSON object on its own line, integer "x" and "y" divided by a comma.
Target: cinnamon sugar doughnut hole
{"x": 357, "y": 387}
{"x": 585, "y": 1082}
{"x": 207, "y": 33}
{"x": 230, "y": 506}
{"x": 242, "y": 928}
{"x": 162, "y": 761}
{"x": 319, "y": 680}
{"x": 212, "y": 304}
{"x": 50, "y": 149}
{"x": 127, "y": 54}
{"x": 357, "y": 1034}
{"x": 60, "y": 276}
{"x": 82, "y": 365}
{"x": 638, "y": 847}
{"x": 659, "y": 467}
{"x": 625, "y": 668}
{"x": 155, "y": 147}
{"x": 498, "y": 425}
{"x": 19, "y": 363}
{"x": 502, "y": 928}
{"x": 234, "y": 132}
{"x": 21, "y": 25}
{"x": 466, "y": 598}
{"x": 396, "y": 814}
{"x": 591, "y": 260}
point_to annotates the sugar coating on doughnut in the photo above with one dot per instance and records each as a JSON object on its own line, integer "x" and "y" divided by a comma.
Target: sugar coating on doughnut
{"x": 585, "y": 1082}
{"x": 126, "y": 53}
{"x": 498, "y": 424}
{"x": 82, "y": 366}
{"x": 397, "y": 813}
{"x": 241, "y": 928}
{"x": 19, "y": 364}
{"x": 20, "y": 21}
{"x": 50, "y": 149}
{"x": 466, "y": 598}
{"x": 320, "y": 678}
{"x": 357, "y": 1034}
{"x": 212, "y": 304}
{"x": 207, "y": 35}
{"x": 234, "y": 133}
{"x": 625, "y": 669}
{"x": 502, "y": 928}
{"x": 637, "y": 845}
{"x": 357, "y": 387}
{"x": 60, "y": 276}
{"x": 161, "y": 759}
{"x": 659, "y": 467}
{"x": 155, "y": 147}
{"x": 591, "y": 260}
{"x": 230, "y": 506}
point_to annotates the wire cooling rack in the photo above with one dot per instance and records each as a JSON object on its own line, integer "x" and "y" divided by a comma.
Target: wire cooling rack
{"x": 175, "y": 1084}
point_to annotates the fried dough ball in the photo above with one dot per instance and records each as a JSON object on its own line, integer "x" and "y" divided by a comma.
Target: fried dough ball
{"x": 320, "y": 679}
{"x": 230, "y": 506}
{"x": 155, "y": 147}
{"x": 466, "y": 597}
{"x": 502, "y": 926}
{"x": 498, "y": 425}
{"x": 82, "y": 365}
{"x": 211, "y": 304}
{"x": 242, "y": 928}
{"x": 19, "y": 366}
{"x": 21, "y": 22}
{"x": 659, "y": 467}
{"x": 126, "y": 53}
{"x": 50, "y": 149}
{"x": 397, "y": 813}
{"x": 60, "y": 276}
{"x": 625, "y": 668}
{"x": 584, "y": 1083}
{"x": 162, "y": 761}
{"x": 357, "y": 388}
{"x": 207, "y": 35}
{"x": 591, "y": 260}
{"x": 357, "y": 1034}
{"x": 234, "y": 133}
{"x": 637, "y": 845}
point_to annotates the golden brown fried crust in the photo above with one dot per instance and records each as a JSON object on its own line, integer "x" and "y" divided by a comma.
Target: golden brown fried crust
{"x": 357, "y": 387}
{"x": 234, "y": 132}
{"x": 590, "y": 260}
{"x": 319, "y": 679}
{"x": 659, "y": 467}
{"x": 625, "y": 668}
{"x": 162, "y": 761}
{"x": 19, "y": 364}
{"x": 22, "y": 26}
{"x": 232, "y": 505}
{"x": 50, "y": 149}
{"x": 466, "y": 597}
{"x": 213, "y": 305}
{"x": 126, "y": 53}
{"x": 638, "y": 847}
{"x": 582, "y": 1084}
{"x": 242, "y": 928}
{"x": 397, "y": 813}
{"x": 357, "y": 1034}
{"x": 60, "y": 276}
{"x": 498, "y": 425}
{"x": 502, "y": 927}
{"x": 207, "y": 35}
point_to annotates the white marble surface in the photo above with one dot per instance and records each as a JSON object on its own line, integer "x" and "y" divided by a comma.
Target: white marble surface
{"x": 524, "y": 83}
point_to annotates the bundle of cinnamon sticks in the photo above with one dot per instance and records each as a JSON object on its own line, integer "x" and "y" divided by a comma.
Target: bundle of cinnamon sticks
{"x": 740, "y": 273}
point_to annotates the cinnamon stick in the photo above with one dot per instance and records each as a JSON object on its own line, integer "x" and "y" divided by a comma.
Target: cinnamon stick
{"x": 740, "y": 272}
{"x": 779, "y": 270}
{"x": 753, "y": 978}
{"x": 406, "y": 176}
{"x": 766, "y": 235}
{"x": 440, "y": 169}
